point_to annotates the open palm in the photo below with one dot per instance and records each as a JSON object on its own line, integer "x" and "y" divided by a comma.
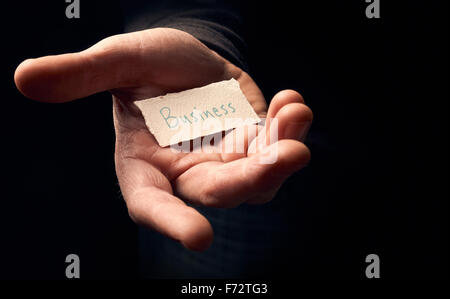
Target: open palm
{"x": 156, "y": 182}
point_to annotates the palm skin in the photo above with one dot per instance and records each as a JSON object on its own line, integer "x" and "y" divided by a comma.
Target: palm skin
{"x": 156, "y": 182}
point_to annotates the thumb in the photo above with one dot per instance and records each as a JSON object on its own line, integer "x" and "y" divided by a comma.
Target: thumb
{"x": 144, "y": 57}
{"x": 60, "y": 78}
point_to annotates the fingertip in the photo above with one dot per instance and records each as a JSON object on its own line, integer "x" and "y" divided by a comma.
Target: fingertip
{"x": 23, "y": 76}
{"x": 40, "y": 79}
{"x": 286, "y": 157}
{"x": 294, "y": 120}
{"x": 283, "y": 98}
{"x": 273, "y": 165}
{"x": 292, "y": 95}
{"x": 55, "y": 78}
{"x": 306, "y": 156}
{"x": 293, "y": 155}
{"x": 197, "y": 235}
{"x": 296, "y": 112}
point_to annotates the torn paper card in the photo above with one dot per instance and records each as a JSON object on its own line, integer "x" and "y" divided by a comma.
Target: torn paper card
{"x": 193, "y": 113}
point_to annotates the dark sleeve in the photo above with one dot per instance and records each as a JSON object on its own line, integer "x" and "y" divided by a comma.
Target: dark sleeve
{"x": 218, "y": 24}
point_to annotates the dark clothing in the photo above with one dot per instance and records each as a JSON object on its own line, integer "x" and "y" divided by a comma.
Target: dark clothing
{"x": 218, "y": 24}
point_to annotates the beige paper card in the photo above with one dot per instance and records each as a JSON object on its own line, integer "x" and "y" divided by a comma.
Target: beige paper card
{"x": 186, "y": 115}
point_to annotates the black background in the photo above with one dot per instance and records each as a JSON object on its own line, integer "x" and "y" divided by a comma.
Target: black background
{"x": 377, "y": 182}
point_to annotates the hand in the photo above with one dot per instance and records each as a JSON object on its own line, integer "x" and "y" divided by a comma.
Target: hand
{"x": 156, "y": 181}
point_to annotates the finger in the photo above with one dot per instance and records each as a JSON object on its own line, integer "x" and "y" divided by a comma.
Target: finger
{"x": 221, "y": 184}
{"x": 291, "y": 156}
{"x": 294, "y": 120}
{"x": 120, "y": 61}
{"x": 291, "y": 121}
{"x": 235, "y": 144}
{"x": 150, "y": 203}
{"x": 281, "y": 99}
